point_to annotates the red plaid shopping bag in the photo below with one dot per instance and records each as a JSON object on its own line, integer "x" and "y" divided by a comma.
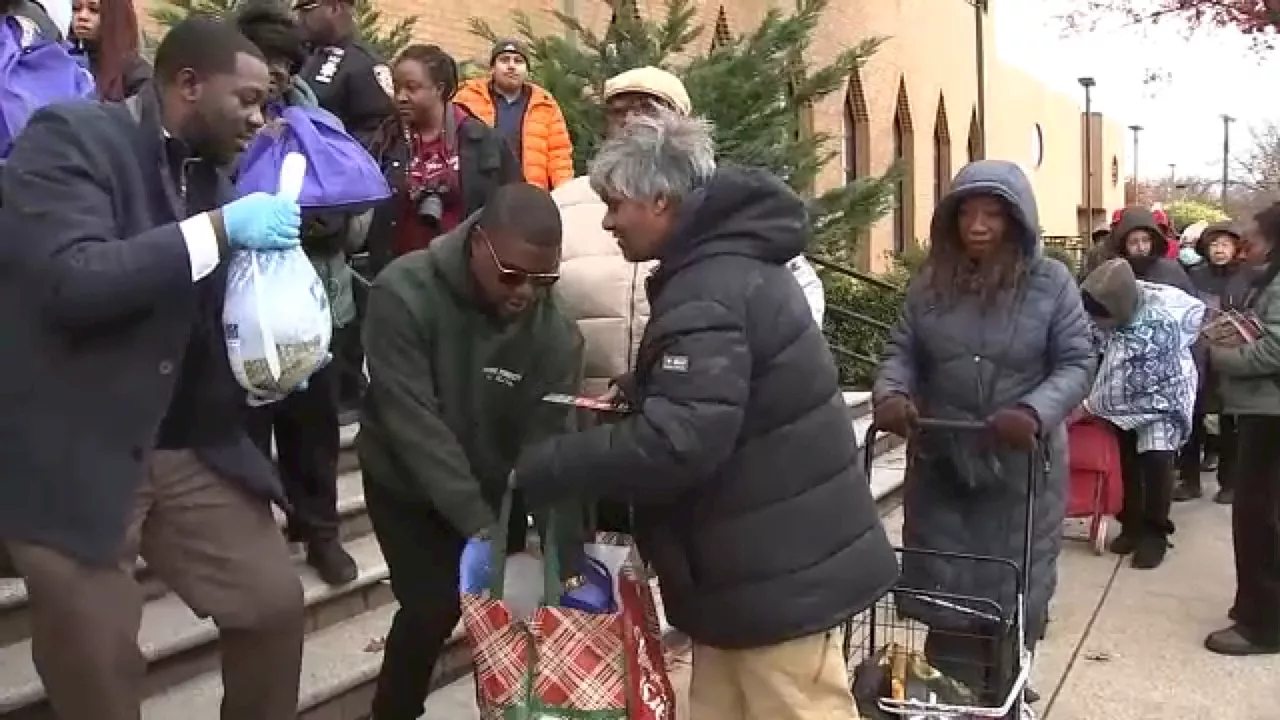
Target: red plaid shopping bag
{"x": 565, "y": 663}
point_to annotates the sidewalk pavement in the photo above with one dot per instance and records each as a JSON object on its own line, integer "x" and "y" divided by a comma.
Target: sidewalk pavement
{"x": 1123, "y": 644}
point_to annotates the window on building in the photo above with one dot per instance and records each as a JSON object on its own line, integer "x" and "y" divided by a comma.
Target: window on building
{"x": 975, "y": 137}
{"x": 941, "y": 154}
{"x": 904, "y": 157}
{"x": 722, "y": 36}
{"x": 857, "y": 132}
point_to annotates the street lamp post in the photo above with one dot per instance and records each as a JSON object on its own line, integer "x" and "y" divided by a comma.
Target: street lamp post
{"x": 1088, "y": 83}
{"x": 1136, "y": 130}
{"x": 1226, "y": 157}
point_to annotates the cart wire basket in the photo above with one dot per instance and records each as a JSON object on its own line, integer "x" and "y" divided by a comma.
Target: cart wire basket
{"x": 971, "y": 660}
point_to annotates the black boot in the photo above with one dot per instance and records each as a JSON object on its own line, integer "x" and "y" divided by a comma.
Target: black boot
{"x": 332, "y": 563}
{"x": 1188, "y": 489}
{"x": 1210, "y": 462}
{"x": 1235, "y": 641}
{"x": 1125, "y": 542}
{"x": 1150, "y": 551}
{"x": 1225, "y": 496}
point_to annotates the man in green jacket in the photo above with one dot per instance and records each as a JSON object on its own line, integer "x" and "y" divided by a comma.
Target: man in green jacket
{"x": 463, "y": 340}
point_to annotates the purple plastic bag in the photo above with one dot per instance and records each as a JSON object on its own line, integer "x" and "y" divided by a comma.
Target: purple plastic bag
{"x": 340, "y": 172}
{"x": 34, "y": 71}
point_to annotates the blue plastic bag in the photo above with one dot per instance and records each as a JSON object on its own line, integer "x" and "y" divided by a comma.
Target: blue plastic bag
{"x": 340, "y": 172}
{"x": 35, "y": 71}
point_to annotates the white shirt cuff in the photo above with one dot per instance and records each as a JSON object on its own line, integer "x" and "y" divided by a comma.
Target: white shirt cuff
{"x": 202, "y": 245}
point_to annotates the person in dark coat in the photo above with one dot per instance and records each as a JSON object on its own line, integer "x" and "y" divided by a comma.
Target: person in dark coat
{"x": 1138, "y": 238}
{"x": 1250, "y": 377}
{"x": 120, "y": 430}
{"x": 993, "y": 332}
{"x": 105, "y": 35}
{"x": 443, "y": 163}
{"x": 1223, "y": 282}
{"x": 1100, "y": 251}
{"x": 749, "y": 496}
{"x": 352, "y": 80}
{"x": 305, "y": 425}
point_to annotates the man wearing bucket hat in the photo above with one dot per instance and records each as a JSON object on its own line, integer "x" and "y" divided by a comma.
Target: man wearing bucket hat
{"x": 523, "y": 113}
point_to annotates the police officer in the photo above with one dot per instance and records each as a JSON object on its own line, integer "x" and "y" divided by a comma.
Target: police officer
{"x": 349, "y": 78}
{"x": 353, "y": 82}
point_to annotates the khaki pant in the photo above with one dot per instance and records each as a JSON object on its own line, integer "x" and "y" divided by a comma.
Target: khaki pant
{"x": 803, "y": 679}
{"x": 215, "y": 546}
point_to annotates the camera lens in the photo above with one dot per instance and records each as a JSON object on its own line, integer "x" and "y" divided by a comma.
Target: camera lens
{"x": 431, "y": 208}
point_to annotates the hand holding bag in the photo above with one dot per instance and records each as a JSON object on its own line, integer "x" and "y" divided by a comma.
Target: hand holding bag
{"x": 561, "y": 661}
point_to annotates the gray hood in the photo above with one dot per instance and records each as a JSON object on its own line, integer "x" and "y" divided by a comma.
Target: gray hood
{"x": 1001, "y": 179}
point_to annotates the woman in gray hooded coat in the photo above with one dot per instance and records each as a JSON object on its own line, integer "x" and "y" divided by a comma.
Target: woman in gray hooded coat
{"x": 992, "y": 332}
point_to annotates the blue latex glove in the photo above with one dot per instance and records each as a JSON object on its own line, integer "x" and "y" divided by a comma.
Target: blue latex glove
{"x": 475, "y": 569}
{"x": 262, "y": 222}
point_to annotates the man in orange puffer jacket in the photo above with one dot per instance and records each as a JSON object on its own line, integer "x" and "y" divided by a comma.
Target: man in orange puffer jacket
{"x": 524, "y": 114}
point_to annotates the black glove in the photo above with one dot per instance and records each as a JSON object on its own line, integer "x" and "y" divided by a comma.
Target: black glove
{"x": 896, "y": 414}
{"x": 1017, "y": 426}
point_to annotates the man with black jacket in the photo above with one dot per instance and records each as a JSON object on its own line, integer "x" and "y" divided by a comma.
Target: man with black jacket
{"x": 120, "y": 427}
{"x": 352, "y": 81}
{"x": 738, "y": 457}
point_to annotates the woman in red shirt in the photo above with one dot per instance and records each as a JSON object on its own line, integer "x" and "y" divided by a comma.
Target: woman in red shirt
{"x": 443, "y": 162}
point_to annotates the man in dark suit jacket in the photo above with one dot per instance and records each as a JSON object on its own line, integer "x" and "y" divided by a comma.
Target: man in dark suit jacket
{"x": 120, "y": 428}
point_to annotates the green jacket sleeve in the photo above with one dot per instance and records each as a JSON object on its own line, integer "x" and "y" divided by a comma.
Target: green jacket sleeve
{"x": 1261, "y": 357}
{"x": 562, "y": 374}
{"x": 404, "y": 399}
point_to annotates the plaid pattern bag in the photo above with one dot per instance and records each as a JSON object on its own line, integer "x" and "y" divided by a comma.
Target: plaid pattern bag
{"x": 563, "y": 663}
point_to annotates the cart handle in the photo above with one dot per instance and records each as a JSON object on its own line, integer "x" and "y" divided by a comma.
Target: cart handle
{"x": 942, "y": 424}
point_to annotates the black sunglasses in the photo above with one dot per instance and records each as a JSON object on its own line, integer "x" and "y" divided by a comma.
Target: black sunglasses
{"x": 512, "y": 277}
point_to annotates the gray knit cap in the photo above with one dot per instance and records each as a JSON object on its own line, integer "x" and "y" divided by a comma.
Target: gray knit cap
{"x": 1114, "y": 287}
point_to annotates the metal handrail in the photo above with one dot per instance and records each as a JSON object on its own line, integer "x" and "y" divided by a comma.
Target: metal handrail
{"x": 852, "y": 272}
{"x": 859, "y": 317}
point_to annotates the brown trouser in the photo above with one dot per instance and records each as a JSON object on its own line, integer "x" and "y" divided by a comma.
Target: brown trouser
{"x": 214, "y": 545}
{"x": 802, "y": 679}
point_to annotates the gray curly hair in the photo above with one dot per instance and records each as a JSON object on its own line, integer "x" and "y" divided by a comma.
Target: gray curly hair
{"x": 665, "y": 155}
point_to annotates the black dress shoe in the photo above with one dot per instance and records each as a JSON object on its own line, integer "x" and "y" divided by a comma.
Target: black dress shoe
{"x": 1187, "y": 490}
{"x": 331, "y": 562}
{"x": 1225, "y": 496}
{"x": 1124, "y": 543}
{"x": 1234, "y": 642}
{"x": 1150, "y": 551}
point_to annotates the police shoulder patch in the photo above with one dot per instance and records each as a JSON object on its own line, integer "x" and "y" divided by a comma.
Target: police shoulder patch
{"x": 383, "y": 75}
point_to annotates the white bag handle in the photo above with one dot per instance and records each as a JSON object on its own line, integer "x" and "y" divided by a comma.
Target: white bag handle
{"x": 293, "y": 171}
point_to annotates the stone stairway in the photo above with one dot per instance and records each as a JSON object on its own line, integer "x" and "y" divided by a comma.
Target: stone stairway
{"x": 345, "y": 625}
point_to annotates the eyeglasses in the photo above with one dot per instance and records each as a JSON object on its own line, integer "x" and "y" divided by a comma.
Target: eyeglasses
{"x": 512, "y": 277}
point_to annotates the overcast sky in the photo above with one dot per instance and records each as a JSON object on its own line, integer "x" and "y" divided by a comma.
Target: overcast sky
{"x": 1210, "y": 73}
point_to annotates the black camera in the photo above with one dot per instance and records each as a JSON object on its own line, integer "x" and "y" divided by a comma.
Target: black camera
{"x": 431, "y": 204}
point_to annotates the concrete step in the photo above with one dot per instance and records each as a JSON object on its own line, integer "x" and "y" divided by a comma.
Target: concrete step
{"x": 14, "y": 620}
{"x": 179, "y": 646}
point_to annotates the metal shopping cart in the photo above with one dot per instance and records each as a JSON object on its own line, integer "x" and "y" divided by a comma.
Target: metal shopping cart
{"x": 975, "y": 665}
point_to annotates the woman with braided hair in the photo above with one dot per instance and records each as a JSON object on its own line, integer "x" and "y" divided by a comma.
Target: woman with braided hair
{"x": 443, "y": 162}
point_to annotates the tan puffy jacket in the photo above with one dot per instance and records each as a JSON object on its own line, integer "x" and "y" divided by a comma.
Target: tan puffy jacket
{"x": 598, "y": 288}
